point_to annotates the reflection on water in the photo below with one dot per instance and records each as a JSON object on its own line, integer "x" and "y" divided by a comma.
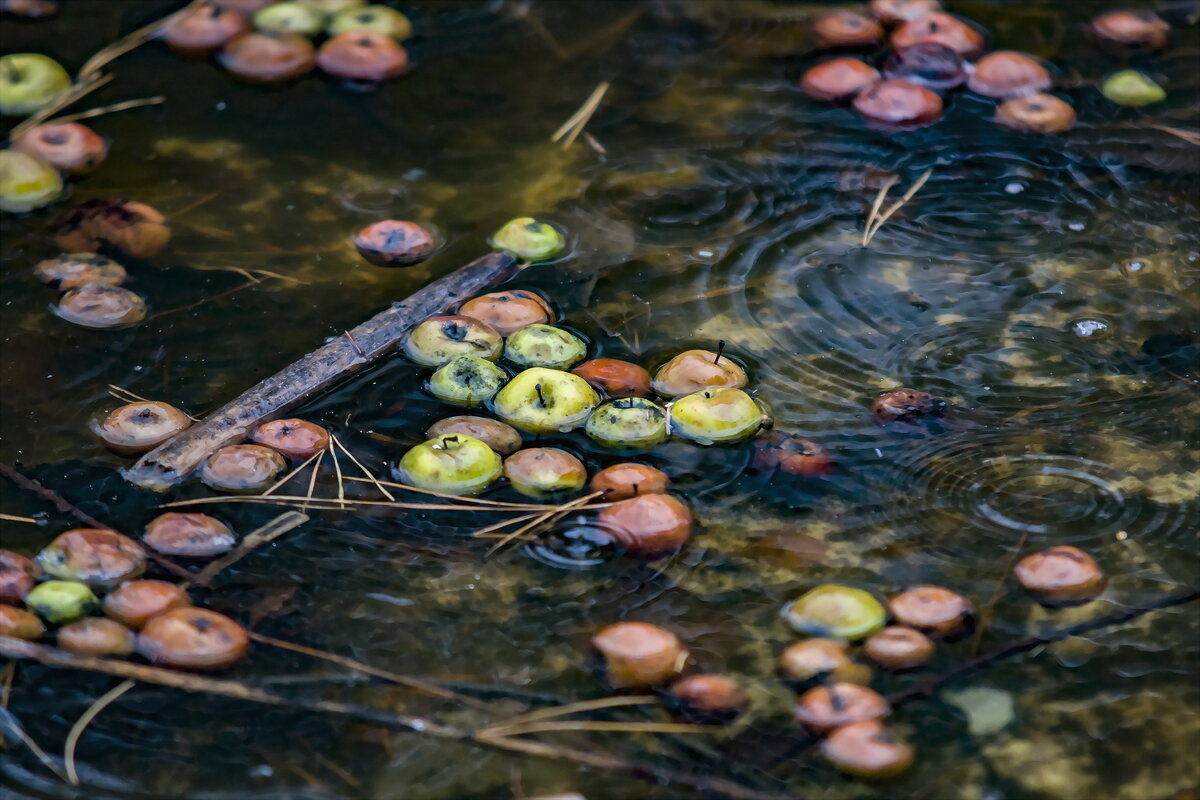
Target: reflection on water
{"x": 1047, "y": 287}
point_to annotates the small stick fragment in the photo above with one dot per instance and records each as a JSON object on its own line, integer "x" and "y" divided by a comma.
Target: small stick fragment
{"x": 50, "y": 495}
{"x": 579, "y": 120}
{"x": 16, "y": 518}
{"x": 77, "y": 729}
{"x": 354, "y": 343}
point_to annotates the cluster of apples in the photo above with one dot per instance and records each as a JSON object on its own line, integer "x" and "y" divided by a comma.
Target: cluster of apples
{"x": 38, "y": 160}
{"x": 152, "y": 618}
{"x": 264, "y": 42}
{"x": 555, "y": 390}
{"x": 834, "y": 699}
{"x": 930, "y": 54}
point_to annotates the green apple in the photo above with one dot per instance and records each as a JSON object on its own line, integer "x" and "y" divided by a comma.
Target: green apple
{"x": 29, "y": 82}
{"x": 26, "y": 182}
{"x": 1131, "y": 88}
{"x": 528, "y": 239}
{"x": 440, "y": 340}
{"x": 541, "y": 400}
{"x": 835, "y": 610}
{"x": 716, "y": 416}
{"x": 289, "y": 18}
{"x": 539, "y": 345}
{"x": 453, "y": 463}
{"x": 628, "y": 422}
{"x": 379, "y": 19}
{"x": 61, "y": 601}
{"x": 467, "y": 381}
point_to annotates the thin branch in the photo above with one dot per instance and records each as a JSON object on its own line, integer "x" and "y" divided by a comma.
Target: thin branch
{"x": 559, "y": 726}
{"x": 77, "y": 729}
{"x": 132, "y": 41}
{"x": 930, "y": 686}
{"x": 51, "y": 496}
{"x": 287, "y": 521}
{"x": 9, "y": 723}
{"x": 125, "y": 105}
{"x": 552, "y": 712}
{"x": 402, "y": 680}
{"x": 592, "y": 757}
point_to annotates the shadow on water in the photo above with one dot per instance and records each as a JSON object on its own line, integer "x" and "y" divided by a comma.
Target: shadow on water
{"x": 1048, "y": 288}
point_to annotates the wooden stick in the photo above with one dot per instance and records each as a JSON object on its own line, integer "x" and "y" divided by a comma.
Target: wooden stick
{"x": 30, "y": 485}
{"x": 174, "y": 460}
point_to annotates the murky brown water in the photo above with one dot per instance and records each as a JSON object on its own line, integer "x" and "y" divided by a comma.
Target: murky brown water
{"x": 1050, "y": 288}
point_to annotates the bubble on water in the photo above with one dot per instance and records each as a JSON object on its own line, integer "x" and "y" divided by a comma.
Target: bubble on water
{"x": 1077, "y": 226}
{"x": 262, "y": 771}
{"x": 1133, "y": 265}
{"x": 1088, "y": 326}
{"x": 1014, "y": 187}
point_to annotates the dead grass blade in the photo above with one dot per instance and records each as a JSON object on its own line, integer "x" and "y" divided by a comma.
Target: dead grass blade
{"x": 543, "y": 714}
{"x": 357, "y": 463}
{"x": 912, "y": 190}
{"x": 16, "y": 518}
{"x": 84, "y": 720}
{"x": 579, "y": 120}
{"x": 879, "y": 198}
{"x": 314, "y": 457}
{"x": 124, "y": 105}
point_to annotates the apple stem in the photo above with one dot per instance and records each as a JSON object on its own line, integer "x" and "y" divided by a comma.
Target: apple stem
{"x": 541, "y": 399}
{"x": 720, "y": 350}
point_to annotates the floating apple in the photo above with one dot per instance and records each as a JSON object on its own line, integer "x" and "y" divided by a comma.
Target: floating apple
{"x": 452, "y": 463}
{"x": 541, "y": 400}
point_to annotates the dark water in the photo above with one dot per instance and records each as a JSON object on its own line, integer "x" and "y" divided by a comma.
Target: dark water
{"x": 726, "y": 206}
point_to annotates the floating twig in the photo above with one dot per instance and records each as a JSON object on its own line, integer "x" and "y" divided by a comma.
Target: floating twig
{"x": 84, "y": 720}
{"x": 69, "y": 96}
{"x": 18, "y": 518}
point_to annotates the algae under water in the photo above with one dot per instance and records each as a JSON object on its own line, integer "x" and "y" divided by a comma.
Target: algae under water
{"x": 1048, "y": 287}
